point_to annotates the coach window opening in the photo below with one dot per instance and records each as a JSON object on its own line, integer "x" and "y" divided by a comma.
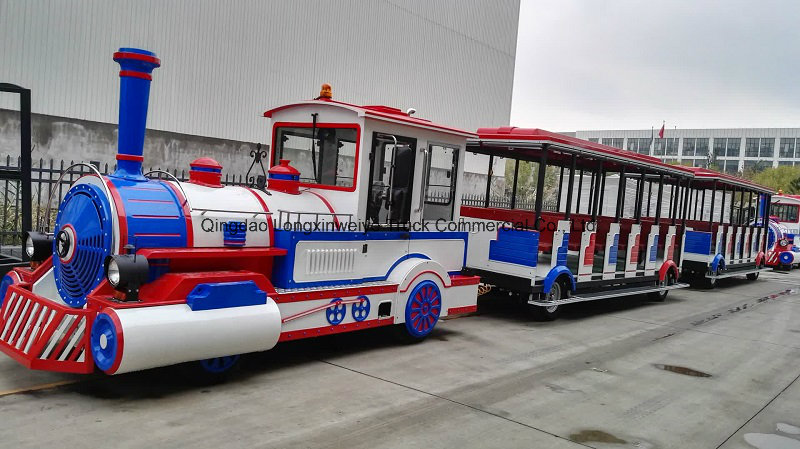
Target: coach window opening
{"x": 637, "y": 212}
{"x": 599, "y": 206}
{"x": 599, "y": 178}
{"x": 571, "y": 182}
{"x": 659, "y": 198}
{"x": 540, "y": 183}
{"x": 620, "y": 195}
{"x": 711, "y": 205}
{"x": 560, "y": 185}
{"x": 685, "y": 209}
{"x": 490, "y": 174}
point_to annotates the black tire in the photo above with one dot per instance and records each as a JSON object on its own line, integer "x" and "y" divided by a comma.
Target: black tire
{"x": 752, "y": 276}
{"x": 661, "y": 296}
{"x": 539, "y": 313}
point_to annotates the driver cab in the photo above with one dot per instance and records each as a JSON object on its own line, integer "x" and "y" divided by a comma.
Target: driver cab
{"x": 374, "y": 165}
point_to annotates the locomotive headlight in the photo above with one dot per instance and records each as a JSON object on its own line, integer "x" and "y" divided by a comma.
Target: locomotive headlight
{"x": 113, "y": 273}
{"x": 127, "y": 272}
{"x": 38, "y": 246}
{"x": 784, "y": 242}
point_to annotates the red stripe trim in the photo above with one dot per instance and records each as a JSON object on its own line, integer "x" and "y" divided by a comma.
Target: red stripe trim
{"x": 269, "y": 217}
{"x": 122, "y": 218}
{"x": 132, "y": 74}
{"x": 464, "y": 309}
{"x": 153, "y": 234}
{"x": 187, "y": 213}
{"x": 155, "y": 216}
{"x": 129, "y": 157}
{"x": 138, "y": 200}
{"x": 329, "y": 330}
{"x": 327, "y": 204}
{"x": 136, "y": 56}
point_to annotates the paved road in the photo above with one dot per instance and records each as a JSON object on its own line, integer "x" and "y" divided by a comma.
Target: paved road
{"x": 706, "y": 369}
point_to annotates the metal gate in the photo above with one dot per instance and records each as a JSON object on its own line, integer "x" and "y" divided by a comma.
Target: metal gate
{"x": 16, "y": 214}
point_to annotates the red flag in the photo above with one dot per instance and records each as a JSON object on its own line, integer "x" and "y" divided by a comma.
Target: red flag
{"x": 661, "y": 132}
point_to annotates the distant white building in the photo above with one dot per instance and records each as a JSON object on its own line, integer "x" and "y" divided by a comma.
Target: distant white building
{"x": 730, "y": 150}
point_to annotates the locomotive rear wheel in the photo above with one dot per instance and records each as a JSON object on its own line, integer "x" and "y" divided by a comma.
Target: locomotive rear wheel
{"x": 423, "y": 307}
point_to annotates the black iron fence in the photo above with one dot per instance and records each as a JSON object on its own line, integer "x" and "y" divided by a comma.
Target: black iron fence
{"x": 478, "y": 200}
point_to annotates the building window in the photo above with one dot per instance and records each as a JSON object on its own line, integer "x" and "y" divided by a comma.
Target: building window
{"x": 614, "y": 142}
{"x": 733, "y": 146}
{"x": 719, "y": 146}
{"x": 695, "y": 147}
{"x": 593, "y": 139}
{"x": 767, "y": 148}
{"x": 640, "y": 145}
{"x": 787, "y": 148}
{"x": 672, "y": 147}
{"x": 789, "y": 163}
{"x": 751, "y": 147}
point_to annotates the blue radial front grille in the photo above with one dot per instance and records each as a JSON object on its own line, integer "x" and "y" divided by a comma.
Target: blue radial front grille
{"x": 86, "y": 209}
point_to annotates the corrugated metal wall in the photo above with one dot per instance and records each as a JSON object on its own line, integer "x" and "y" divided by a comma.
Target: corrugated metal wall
{"x": 225, "y": 62}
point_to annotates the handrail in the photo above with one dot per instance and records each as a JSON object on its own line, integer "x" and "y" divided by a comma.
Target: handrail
{"x": 58, "y": 183}
{"x": 177, "y": 182}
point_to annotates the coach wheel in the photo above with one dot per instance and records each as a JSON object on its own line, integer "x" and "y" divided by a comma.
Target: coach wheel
{"x": 549, "y": 313}
{"x": 661, "y": 296}
{"x": 423, "y": 308}
{"x": 709, "y": 283}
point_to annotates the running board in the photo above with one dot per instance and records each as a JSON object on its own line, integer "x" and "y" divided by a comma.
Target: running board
{"x": 607, "y": 294}
{"x": 740, "y": 272}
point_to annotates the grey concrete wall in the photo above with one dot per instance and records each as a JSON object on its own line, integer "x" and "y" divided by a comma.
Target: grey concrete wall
{"x": 69, "y": 139}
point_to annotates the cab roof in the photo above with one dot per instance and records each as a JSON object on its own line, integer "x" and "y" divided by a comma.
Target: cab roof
{"x": 377, "y": 112}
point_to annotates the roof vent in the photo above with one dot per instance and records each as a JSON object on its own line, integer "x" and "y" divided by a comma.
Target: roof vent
{"x": 284, "y": 178}
{"x": 205, "y": 172}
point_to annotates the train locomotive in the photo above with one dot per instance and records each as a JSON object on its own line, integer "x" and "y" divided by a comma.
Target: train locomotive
{"x": 142, "y": 271}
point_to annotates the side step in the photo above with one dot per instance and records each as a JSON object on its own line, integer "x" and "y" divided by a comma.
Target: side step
{"x": 735, "y": 272}
{"x": 608, "y": 294}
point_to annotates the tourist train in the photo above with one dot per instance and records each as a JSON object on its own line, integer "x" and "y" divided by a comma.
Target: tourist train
{"x": 142, "y": 270}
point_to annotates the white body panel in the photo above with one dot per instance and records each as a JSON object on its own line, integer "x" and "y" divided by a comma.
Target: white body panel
{"x": 651, "y": 248}
{"x": 586, "y": 261}
{"x": 166, "y": 335}
{"x": 609, "y": 267}
{"x": 633, "y": 250}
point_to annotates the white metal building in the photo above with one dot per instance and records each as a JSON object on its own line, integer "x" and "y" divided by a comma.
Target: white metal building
{"x": 224, "y": 63}
{"x": 732, "y": 150}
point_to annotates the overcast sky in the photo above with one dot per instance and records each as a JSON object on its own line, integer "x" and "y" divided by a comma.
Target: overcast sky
{"x": 626, "y": 64}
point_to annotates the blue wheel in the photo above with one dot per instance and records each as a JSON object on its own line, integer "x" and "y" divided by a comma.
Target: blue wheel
{"x": 336, "y": 312}
{"x": 360, "y": 310}
{"x": 104, "y": 342}
{"x": 7, "y": 282}
{"x": 423, "y": 309}
{"x": 219, "y": 365}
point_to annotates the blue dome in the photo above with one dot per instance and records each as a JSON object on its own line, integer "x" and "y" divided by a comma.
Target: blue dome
{"x": 83, "y": 236}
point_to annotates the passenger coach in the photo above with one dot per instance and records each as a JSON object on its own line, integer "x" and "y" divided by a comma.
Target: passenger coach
{"x": 574, "y": 221}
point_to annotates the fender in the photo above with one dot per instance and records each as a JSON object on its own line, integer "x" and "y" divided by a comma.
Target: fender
{"x": 408, "y": 270}
{"x": 760, "y": 258}
{"x": 554, "y": 274}
{"x": 667, "y": 265}
{"x": 715, "y": 263}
